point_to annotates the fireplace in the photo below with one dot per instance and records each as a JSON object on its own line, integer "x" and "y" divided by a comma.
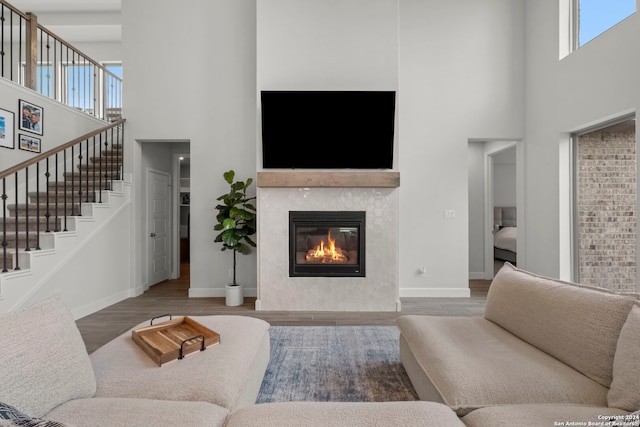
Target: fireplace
{"x": 327, "y": 243}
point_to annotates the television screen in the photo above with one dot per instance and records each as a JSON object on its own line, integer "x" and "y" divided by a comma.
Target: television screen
{"x": 328, "y": 129}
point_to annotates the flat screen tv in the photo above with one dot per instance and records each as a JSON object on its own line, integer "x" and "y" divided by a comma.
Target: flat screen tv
{"x": 328, "y": 129}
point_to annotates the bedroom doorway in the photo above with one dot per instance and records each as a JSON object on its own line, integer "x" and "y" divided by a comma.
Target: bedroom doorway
{"x": 495, "y": 198}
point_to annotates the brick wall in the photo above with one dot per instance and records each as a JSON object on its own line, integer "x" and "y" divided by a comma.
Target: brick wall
{"x": 607, "y": 209}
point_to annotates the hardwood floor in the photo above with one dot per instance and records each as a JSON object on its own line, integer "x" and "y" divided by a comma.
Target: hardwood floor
{"x": 171, "y": 296}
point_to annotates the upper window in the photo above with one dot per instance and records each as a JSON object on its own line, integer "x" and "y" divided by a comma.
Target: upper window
{"x": 594, "y": 17}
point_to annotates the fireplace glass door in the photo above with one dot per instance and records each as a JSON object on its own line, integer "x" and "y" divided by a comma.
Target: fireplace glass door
{"x": 326, "y": 243}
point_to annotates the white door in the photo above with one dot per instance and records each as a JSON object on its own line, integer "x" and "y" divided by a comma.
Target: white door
{"x": 158, "y": 221}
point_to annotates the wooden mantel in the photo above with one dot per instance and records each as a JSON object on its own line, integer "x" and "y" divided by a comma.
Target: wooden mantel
{"x": 303, "y": 179}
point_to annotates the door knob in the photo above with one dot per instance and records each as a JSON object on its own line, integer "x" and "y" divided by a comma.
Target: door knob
{"x": 153, "y": 234}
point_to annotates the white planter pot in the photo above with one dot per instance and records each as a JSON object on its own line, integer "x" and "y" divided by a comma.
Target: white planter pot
{"x": 234, "y": 295}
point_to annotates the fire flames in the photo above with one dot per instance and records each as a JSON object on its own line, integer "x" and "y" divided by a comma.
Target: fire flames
{"x": 330, "y": 254}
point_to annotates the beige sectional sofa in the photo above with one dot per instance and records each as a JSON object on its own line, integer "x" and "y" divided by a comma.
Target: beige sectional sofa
{"x": 45, "y": 372}
{"x": 554, "y": 350}
{"x": 545, "y": 353}
{"x": 48, "y": 379}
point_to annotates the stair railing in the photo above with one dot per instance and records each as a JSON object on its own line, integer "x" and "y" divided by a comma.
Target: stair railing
{"x": 38, "y": 197}
{"x": 36, "y": 58}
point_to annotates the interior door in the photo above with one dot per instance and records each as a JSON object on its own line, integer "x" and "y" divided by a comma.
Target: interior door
{"x": 158, "y": 220}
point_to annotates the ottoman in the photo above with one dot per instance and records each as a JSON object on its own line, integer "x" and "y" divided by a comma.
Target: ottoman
{"x": 228, "y": 374}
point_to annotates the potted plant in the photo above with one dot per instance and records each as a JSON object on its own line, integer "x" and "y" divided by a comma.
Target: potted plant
{"x": 236, "y": 223}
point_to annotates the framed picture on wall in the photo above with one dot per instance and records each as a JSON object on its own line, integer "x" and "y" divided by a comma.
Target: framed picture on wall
{"x": 7, "y": 120}
{"x": 29, "y": 143}
{"x": 31, "y": 117}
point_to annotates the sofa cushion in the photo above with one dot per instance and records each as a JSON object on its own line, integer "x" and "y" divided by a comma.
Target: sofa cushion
{"x": 44, "y": 360}
{"x": 576, "y": 324}
{"x": 101, "y": 412}
{"x": 351, "y": 414}
{"x": 542, "y": 415}
{"x": 470, "y": 362}
{"x": 228, "y": 374}
{"x": 624, "y": 392}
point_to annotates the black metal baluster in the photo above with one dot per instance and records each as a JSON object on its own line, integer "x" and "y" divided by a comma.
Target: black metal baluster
{"x": 89, "y": 198}
{"x": 54, "y": 69}
{"x": 17, "y": 263}
{"x": 26, "y": 207}
{"x": 111, "y": 162}
{"x": 56, "y": 204}
{"x": 102, "y": 153}
{"x": 121, "y": 149}
{"x": 2, "y": 39}
{"x": 95, "y": 190}
{"x": 79, "y": 181}
{"x": 48, "y": 67}
{"x": 48, "y": 212}
{"x": 4, "y": 226}
{"x": 19, "y": 44}
{"x": 73, "y": 186}
{"x": 37, "y": 206}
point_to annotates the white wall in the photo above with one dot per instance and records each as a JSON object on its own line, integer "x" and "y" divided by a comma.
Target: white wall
{"x": 189, "y": 75}
{"x": 458, "y": 67}
{"x": 504, "y": 184}
{"x": 98, "y": 275}
{"x": 461, "y": 78}
{"x": 598, "y": 82}
{"x": 476, "y": 179}
{"x": 60, "y": 123}
{"x": 327, "y": 45}
{"x": 460, "y": 74}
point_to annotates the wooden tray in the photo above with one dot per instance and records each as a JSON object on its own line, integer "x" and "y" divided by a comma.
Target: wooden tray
{"x": 174, "y": 339}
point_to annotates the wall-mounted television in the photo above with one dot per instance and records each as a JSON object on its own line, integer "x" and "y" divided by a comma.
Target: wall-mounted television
{"x": 328, "y": 129}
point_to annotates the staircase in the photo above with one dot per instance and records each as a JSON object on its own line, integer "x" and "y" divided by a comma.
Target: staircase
{"x": 66, "y": 181}
{"x": 49, "y": 211}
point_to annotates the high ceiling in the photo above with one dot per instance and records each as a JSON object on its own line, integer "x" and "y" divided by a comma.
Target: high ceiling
{"x": 77, "y": 20}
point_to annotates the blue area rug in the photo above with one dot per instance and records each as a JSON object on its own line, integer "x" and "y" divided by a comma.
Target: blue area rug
{"x": 336, "y": 364}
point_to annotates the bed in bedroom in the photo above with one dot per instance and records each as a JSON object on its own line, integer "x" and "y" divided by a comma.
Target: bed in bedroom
{"x": 505, "y": 232}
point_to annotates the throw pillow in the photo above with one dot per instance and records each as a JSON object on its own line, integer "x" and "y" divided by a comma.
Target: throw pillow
{"x": 623, "y": 393}
{"x": 44, "y": 360}
{"x": 11, "y": 417}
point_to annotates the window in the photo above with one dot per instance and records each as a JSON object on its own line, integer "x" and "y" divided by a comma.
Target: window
{"x": 79, "y": 86}
{"x": 116, "y": 69}
{"x": 594, "y": 17}
{"x": 112, "y": 88}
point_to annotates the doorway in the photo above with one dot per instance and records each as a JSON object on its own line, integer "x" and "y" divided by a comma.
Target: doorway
{"x": 158, "y": 225}
{"x": 495, "y": 172}
{"x": 163, "y": 156}
{"x": 182, "y": 232}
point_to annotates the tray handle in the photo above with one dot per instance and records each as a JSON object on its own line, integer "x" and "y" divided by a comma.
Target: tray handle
{"x": 203, "y": 348}
{"x": 164, "y": 315}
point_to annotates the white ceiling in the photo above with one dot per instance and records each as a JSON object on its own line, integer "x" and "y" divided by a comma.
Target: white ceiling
{"x": 66, "y": 5}
{"x": 77, "y": 20}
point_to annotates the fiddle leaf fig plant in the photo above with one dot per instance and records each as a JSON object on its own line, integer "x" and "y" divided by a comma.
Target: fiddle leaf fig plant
{"x": 236, "y": 218}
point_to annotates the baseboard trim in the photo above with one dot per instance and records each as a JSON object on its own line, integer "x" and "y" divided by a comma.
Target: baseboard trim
{"x": 477, "y": 275}
{"x": 218, "y": 292}
{"x": 435, "y": 293}
{"x": 95, "y": 306}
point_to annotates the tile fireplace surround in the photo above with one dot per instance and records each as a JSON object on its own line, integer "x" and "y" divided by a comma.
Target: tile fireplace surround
{"x": 376, "y": 193}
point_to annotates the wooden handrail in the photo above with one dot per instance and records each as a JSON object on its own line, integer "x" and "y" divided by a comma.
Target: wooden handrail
{"x": 15, "y": 9}
{"x": 31, "y": 52}
{"x": 27, "y": 16}
{"x": 57, "y": 149}
{"x": 76, "y": 50}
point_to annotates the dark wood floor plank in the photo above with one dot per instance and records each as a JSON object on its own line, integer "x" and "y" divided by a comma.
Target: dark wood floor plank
{"x": 172, "y": 297}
